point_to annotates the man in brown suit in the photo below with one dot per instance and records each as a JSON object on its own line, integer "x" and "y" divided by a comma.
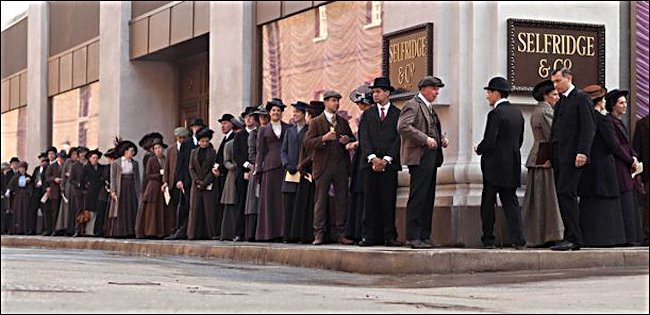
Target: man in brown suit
{"x": 327, "y": 136}
{"x": 420, "y": 131}
{"x": 53, "y": 178}
{"x": 169, "y": 179}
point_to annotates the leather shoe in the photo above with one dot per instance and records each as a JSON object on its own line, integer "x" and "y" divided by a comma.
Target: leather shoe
{"x": 393, "y": 243}
{"x": 489, "y": 246}
{"x": 564, "y": 246}
{"x": 519, "y": 247}
{"x": 176, "y": 237}
{"x": 345, "y": 241}
{"x": 417, "y": 244}
{"x": 431, "y": 243}
{"x": 238, "y": 239}
{"x": 318, "y": 240}
{"x": 365, "y": 242}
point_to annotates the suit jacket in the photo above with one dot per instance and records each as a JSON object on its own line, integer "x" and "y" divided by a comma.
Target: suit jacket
{"x": 182, "y": 172}
{"x": 222, "y": 169}
{"x": 623, "y": 155}
{"x": 540, "y": 121}
{"x": 169, "y": 173}
{"x": 641, "y": 145}
{"x": 291, "y": 146}
{"x": 54, "y": 170}
{"x": 39, "y": 175}
{"x": 413, "y": 126}
{"x": 330, "y": 153}
{"x": 269, "y": 147}
{"x": 380, "y": 138}
{"x": 573, "y": 127}
{"x": 599, "y": 176}
{"x": 201, "y": 173}
{"x": 76, "y": 176}
{"x": 499, "y": 150}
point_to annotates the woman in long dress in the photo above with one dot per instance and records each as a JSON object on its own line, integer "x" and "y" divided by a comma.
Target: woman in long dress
{"x": 601, "y": 220}
{"x": 19, "y": 191}
{"x": 125, "y": 192}
{"x": 269, "y": 165}
{"x": 65, "y": 218}
{"x": 150, "y": 222}
{"x": 541, "y": 218}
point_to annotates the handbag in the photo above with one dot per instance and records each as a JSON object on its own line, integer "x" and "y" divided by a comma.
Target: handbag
{"x": 83, "y": 217}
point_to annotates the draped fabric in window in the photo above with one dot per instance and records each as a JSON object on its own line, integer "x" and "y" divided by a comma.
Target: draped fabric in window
{"x": 642, "y": 57}
{"x": 296, "y": 66}
{"x": 75, "y": 117}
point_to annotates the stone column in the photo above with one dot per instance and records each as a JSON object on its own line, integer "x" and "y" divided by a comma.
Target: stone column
{"x": 38, "y": 134}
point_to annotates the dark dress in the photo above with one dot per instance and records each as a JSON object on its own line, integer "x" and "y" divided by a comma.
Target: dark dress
{"x": 601, "y": 220}
{"x": 251, "y": 207}
{"x": 149, "y": 222}
{"x": 19, "y": 196}
{"x": 123, "y": 211}
{"x": 291, "y": 146}
{"x": 303, "y": 214}
{"x": 269, "y": 165}
{"x": 92, "y": 186}
{"x": 357, "y": 199}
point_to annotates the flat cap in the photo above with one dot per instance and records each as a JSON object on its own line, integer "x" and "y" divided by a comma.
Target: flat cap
{"x": 430, "y": 81}
{"x": 331, "y": 93}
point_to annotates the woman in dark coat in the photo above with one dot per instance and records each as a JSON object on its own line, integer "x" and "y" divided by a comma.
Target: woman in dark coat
{"x": 252, "y": 194}
{"x": 302, "y": 221}
{"x": 92, "y": 185}
{"x": 149, "y": 222}
{"x": 625, "y": 161}
{"x": 601, "y": 220}
{"x": 269, "y": 166}
{"x": 125, "y": 192}
{"x": 202, "y": 218}
{"x": 229, "y": 198}
{"x": 20, "y": 191}
{"x": 65, "y": 218}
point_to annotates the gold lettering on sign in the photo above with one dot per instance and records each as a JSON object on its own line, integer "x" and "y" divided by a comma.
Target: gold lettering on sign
{"x": 569, "y": 45}
{"x": 408, "y": 49}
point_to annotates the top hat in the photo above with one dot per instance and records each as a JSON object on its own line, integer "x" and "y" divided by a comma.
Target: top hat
{"x": 274, "y": 102}
{"x": 541, "y": 89}
{"x": 595, "y": 91}
{"x": 226, "y": 117}
{"x": 382, "y": 82}
{"x": 197, "y": 122}
{"x": 498, "y": 84}
{"x": 612, "y": 97}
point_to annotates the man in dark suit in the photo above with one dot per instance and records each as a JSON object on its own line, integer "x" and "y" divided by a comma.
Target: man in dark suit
{"x": 380, "y": 144}
{"x": 421, "y": 149}
{"x": 240, "y": 154}
{"x": 642, "y": 148}
{"x": 572, "y": 134}
{"x": 501, "y": 163}
{"x": 183, "y": 180}
{"x": 39, "y": 189}
{"x": 327, "y": 136}
{"x": 220, "y": 182}
{"x": 53, "y": 177}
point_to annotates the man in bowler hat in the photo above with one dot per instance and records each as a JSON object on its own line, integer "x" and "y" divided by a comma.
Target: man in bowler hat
{"x": 501, "y": 162}
{"x": 421, "y": 149}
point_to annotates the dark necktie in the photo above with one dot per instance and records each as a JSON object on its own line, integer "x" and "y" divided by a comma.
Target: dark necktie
{"x": 383, "y": 115}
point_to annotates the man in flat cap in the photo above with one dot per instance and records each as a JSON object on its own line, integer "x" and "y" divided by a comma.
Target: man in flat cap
{"x": 169, "y": 180}
{"x": 572, "y": 134}
{"x": 501, "y": 163}
{"x": 421, "y": 149}
{"x": 327, "y": 136}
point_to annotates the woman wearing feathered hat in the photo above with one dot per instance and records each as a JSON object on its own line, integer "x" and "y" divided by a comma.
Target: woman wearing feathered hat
{"x": 125, "y": 191}
{"x": 541, "y": 218}
{"x": 150, "y": 220}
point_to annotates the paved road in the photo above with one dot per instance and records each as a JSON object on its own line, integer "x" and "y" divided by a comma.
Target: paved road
{"x": 42, "y": 280}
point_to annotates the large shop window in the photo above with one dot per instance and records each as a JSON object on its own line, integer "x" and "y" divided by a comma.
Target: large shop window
{"x": 297, "y": 67}
{"x": 14, "y": 134}
{"x": 75, "y": 117}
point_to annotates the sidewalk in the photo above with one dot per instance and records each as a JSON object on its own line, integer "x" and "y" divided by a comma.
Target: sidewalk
{"x": 366, "y": 260}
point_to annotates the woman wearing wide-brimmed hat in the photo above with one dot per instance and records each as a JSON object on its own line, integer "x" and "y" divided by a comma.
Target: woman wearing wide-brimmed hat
{"x": 125, "y": 191}
{"x": 150, "y": 218}
{"x": 19, "y": 191}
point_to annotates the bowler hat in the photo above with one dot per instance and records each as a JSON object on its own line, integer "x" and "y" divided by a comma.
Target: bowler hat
{"x": 595, "y": 91}
{"x": 383, "y": 83}
{"x": 612, "y": 98}
{"x": 541, "y": 89}
{"x": 197, "y": 122}
{"x": 14, "y": 159}
{"x": 248, "y": 111}
{"x": 331, "y": 93}
{"x": 95, "y": 152}
{"x": 498, "y": 84}
{"x": 300, "y": 105}
{"x": 430, "y": 81}
{"x": 204, "y": 133}
{"x": 226, "y": 117}
{"x": 275, "y": 102}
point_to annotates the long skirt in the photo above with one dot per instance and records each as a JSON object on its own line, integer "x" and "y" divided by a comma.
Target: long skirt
{"x": 601, "y": 221}
{"x": 541, "y": 217}
{"x": 20, "y": 208}
{"x": 251, "y": 226}
{"x": 269, "y": 219}
{"x": 127, "y": 210}
{"x": 630, "y": 217}
{"x": 302, "y": 221}
{"x": 149, "y": 222}
{"x": 289, "y": 200}
{"x": 229, "y": 222}
{"x": 65, "y": 219}
{"x": 252, "y": 196}
{"x": 354, "y": 216}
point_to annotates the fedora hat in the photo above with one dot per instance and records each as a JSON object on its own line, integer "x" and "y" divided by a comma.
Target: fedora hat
{"x": 498, "y": 84}
{"x": 274, "y": 102}
{"x": 383, "y": 83}
{"x": 541, "y": 89}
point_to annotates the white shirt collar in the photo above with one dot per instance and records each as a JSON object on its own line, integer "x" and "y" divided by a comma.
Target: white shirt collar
{"x": 196, "y": 141}
{"x": 424, "y": 100}
{"x": 228, "y": 134}
{"x": 566, "y": 94}
{"x": 249, "y": 129}
{"x": 178, "y": 145}
{"x": 384, "y": 107}
{"x": 500, "y": 101}
{"x": 329, "y": 116}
